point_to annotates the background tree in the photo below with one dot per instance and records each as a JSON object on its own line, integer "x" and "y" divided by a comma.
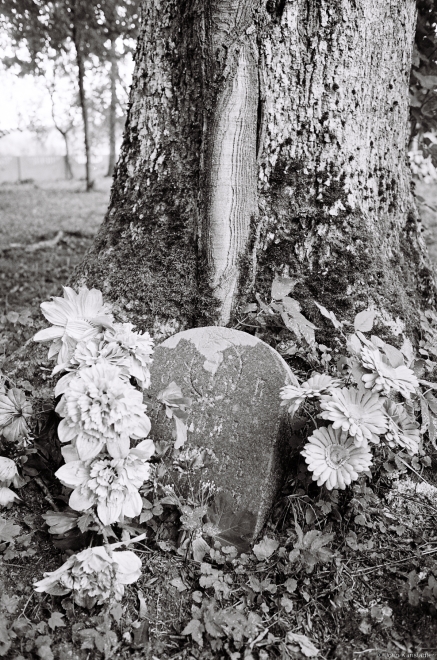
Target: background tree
{"x": 265, "y": 138}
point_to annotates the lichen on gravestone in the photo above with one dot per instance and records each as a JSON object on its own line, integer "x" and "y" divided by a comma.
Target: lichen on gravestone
{"x": 233, "y": 380}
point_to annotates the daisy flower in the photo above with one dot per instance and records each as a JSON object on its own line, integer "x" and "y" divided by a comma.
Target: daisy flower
{"x": 384, "y": 377}
{"x": 359, "y": 413}
{"x": 403, "y": 431}
{"x": 334, "y": 458}
{"x": 93, "y": 576}
{"x": 75, "y": 317}
{"x": 138, "y": 346}
{"x": 314, "y": 387}
{"x": 101, "y": 409}
{"x": 111, "y": 484}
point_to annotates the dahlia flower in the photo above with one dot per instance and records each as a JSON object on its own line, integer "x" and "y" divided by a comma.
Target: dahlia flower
{"x": 100, "y": 408}
{"x": 93, "y": 575}
{"x": 313, "y": 388}
{"x": 87, "y": 353}
{"x": 359, "y": 413}
{"x": 14, "y": 411}
{"x": 138, "y": 346}
{"x": 111, "y": 484}
{"x": 75, "y": 317}
{"x": 384, "y": 377}
{"x": 334, "y": 458}
{"x": 402, "y": 431}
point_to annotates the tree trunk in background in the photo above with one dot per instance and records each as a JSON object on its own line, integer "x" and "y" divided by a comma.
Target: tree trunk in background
{"x": 112, "y": 109}
{"x": 82, "y": 98}
{"x": 265, "y": 137}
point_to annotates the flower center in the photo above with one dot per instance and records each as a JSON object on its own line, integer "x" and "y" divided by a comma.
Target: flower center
{"x": 336, "y": 456}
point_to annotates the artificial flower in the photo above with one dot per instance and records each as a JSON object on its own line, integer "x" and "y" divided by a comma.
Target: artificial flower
{"x": 15, "y": 410}
{"x": 75, "y": 317}
{"x": 93, "y": 576}
{"x": 359, "y": 413}
{"x": 7, "y": 496}
{"x": 334, "y": 458}
{"x": 101, "y": 409}
{"x": 8, "y": 471}
{"x": 385, "y": 377}
{"x": 314, "y": 387}
{"x": 138, "y": 346}
{"x": 402, "y": 431}
{"x": 111, "y": 484}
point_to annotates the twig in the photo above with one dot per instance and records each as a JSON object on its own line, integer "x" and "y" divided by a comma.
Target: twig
{"x": 363, "y": 571}
{"x": 47, "y": 493}
{"x": 40, "y": 245}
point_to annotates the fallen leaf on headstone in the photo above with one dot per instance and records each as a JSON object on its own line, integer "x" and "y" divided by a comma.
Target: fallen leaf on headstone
{"x": 305, "y": 644}
{"x": 265, "y": 548}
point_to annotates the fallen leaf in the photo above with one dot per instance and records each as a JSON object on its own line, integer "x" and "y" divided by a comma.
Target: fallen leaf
{"x": 56, "y": 620}
{"x": 306, "y": 645}
{"x": 265, "y": 548}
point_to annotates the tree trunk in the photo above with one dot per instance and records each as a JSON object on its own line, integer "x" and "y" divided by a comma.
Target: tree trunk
{"x": 112, "y": 109}
{"x": 82, "y": 98}
{"x": 265, "y": 137}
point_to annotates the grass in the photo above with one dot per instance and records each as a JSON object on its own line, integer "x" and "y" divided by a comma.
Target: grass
{"x": 380, "y": 546}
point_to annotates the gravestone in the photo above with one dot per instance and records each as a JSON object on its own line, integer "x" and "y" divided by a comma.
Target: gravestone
{"x": 234, "y": 381}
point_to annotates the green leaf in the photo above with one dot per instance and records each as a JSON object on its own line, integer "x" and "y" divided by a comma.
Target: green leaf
{"x": 306, "y": 646}
{"x": 394, "y": 356}
{"x": 364, "y": 320}
{"x": 230, "y": 528}
{"x": 195, "y": 628}
{"x": 56, "y": 620}
{"x": 329, "y": 315}
{"x": 265, "y": 548}
{"x": 281, "y": 287}
{"x": 8, "y": 531}
{"x": 428, "y": 82}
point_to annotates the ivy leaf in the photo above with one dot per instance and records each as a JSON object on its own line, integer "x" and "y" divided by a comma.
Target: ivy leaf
{"x": 265, "y": 548}
{"x": 364, "y": 320}
{"x": 8, "y": 531}
{"x": 281, "y": 287}
{"x": 228, "y": 527}
{"x": 56, "y": 620}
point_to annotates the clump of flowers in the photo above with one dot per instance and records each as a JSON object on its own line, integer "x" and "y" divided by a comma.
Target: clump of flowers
{"x": 104, "y": 431}
{"x": 93, "y": 576}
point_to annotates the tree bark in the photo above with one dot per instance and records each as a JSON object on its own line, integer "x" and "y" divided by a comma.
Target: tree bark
{"x": 265, "y": 137}
{"x": 82, "y": 97}
{"x": 112, "y": 109}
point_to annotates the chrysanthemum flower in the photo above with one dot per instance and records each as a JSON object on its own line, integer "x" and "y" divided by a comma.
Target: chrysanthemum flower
{"x": 15, "y": 410}
{"x": 100, "y": 408}
{"x": 75, "y": 317}
{"x": 314, "y": 387}
{"x": 384, "y": 377}
{"x": 359, "y": 413}
{"x": 110, "y": 484}
{"x": 334, "y": 458}
{"x": 138, "y": 346}
{"x": 93, "y": 576}
{"x": 403, "y": 431}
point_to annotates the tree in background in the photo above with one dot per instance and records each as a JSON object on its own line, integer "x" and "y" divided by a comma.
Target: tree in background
{"x": 49, "y": 30}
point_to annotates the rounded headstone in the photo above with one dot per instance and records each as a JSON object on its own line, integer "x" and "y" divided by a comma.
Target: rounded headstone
{"x": 234, "y": 381}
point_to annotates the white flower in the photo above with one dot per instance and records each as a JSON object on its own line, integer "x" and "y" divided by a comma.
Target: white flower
{"x": 334, "y": 458}
{"x": 314, "y": 387}
{"x": 100, "y": 408}
{"x": 87, "y": 353}
{"x": 110, "y": 484}
{"x": 93, "y": 575}
{"x": 402, "y": 430}
{"x": 75, "y": 317}
{"x": 384, "y": 377}
{"x": 8, "y": 471}
{"x": 15, "y": 410}
{"x": 7, "y": 496}
{"x": 359, "y": 413}
{"x": 138, "y": 346}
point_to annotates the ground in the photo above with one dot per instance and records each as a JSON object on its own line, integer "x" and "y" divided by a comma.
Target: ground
{"x": 371, "y": 596}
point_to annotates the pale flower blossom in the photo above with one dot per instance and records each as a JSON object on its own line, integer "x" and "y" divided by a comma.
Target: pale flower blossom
{"x": 101, "y": 409}
{"x": 111, "y": 484}
{"x": 8, "y": 471}
{"x": 385, "y": 377}
{"x": 359, "y": 413}
{"x": 313, "y": 388}
{"x": 96, "y": 350}
{"x": 75, "y": 317}
{"x": 7, "y": 496}
{"x": 334, "y": 458}
{"x": 403, "y": 431}
{"x": 94, "y": 575}
{"x": 15, "y": 410}
{"x": 138, "y": 346}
